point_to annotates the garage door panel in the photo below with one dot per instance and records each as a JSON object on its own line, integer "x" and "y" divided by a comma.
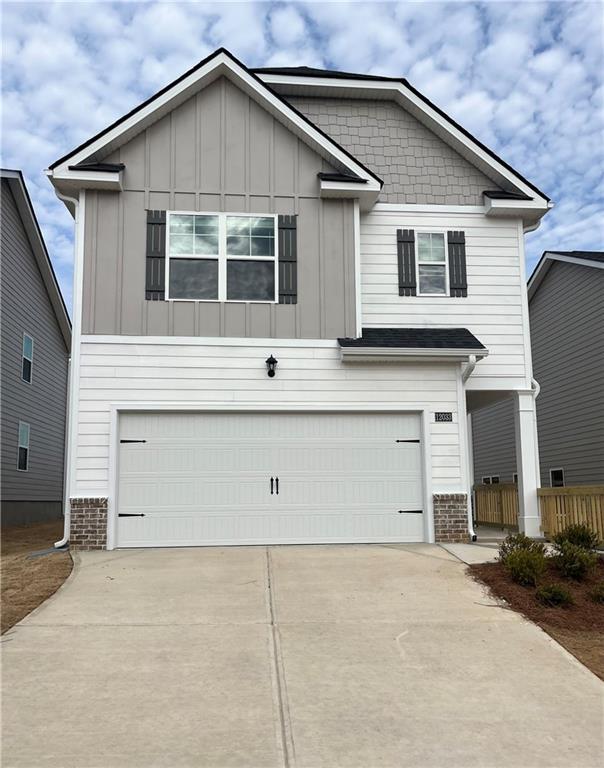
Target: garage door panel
{"x": 205, "y": 478}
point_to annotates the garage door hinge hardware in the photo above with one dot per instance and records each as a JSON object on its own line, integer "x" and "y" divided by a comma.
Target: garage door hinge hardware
{"x": 410, "y": 511}
{"x": 133, "y": 441}
{"x": 131, "y": 514}
{"x": 407, "y": 441}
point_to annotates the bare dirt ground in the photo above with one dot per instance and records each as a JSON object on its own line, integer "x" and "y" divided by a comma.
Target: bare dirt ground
{"x": 579, "y": 628}
{"x": 27, "y": 581}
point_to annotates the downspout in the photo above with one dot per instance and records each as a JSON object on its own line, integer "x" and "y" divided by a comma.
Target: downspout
{"x": 466, "y": 373}
{"x": 70, "y": 386}
{"x": 469, "y": 369}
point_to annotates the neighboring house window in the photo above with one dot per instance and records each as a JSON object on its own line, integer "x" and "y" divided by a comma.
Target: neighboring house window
{"x": 494, "y": 479}
{"x": 27, "y": 358}
{"x": 515, "y": 477}
{"x": 486, "y": 481}
{"x": 23, "y": 450}
{"x": 556, "y": 478}
{"x": 222, "y": 257}
{"x": 432, "y": 264}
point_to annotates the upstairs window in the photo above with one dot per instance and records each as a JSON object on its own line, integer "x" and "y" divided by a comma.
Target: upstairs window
{"x": 222, "y": 257}
{"x": 23, "y": 448}
{"x": 432, "y": 264}
{"x": 27, "y": 358}
{"x": 556, "y": 478}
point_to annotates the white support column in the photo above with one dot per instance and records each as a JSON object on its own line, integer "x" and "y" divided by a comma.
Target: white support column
{"x": 527, "y": 461}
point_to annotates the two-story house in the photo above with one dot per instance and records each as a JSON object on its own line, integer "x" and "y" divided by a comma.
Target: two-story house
{"x": 291, "y": 286}
{"x": 35, "y": 333}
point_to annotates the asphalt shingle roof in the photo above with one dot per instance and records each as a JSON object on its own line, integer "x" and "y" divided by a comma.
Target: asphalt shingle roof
{"x": 415, "y": 338}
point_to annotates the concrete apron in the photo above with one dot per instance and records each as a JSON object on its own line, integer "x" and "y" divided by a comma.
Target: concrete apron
{"x": 289, "y": 656}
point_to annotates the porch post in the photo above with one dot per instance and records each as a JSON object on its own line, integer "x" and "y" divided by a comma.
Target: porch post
{"x": 527, "y": 458}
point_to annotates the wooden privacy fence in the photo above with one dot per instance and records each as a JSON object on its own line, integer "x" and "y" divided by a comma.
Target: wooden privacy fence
{"x": 576, "y": 504}
{"x": 496, "y": 505}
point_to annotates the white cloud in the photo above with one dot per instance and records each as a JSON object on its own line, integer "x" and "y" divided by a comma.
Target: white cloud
{"x": 524, "y": 77}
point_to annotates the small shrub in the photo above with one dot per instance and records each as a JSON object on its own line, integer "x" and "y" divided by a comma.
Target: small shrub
{"x": 518, "y": 542}
{"x": 525, "y": 566}
{"x": 554, "y": 595}
{"x": 573, "y": 561}
{"x": 579, "y": 534}
{"x": 597, "y": 593}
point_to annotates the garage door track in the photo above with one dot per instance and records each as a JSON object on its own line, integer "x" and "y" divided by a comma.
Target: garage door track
{"x": 289, "y": 656}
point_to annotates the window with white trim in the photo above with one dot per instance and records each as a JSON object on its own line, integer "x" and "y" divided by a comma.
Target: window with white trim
{"x": 222, "y": 257}
{"x": 515, "y": 478}
{"x": 23, "y": 448}
{"x": 486, "y": 480}
{"x": 556, "y": 478}
{"x": 27, "y": 358}
{"x": 432, "y": 273}
{"x": 494, "y": 479}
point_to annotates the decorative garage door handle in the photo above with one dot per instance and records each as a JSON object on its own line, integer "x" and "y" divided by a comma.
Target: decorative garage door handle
{"x": 272, "y": 481}
{"x": 131, "y": 514}
{"x": 277, "y": 484}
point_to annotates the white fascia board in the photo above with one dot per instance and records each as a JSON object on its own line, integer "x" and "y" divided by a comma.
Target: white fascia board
{"x": 417, "y": 107}
{"x": 70, "y": 181}
{"x": 425, "y": 208}
{"x": 367, "y": 193}
{"x": 210, "y": 341}
{"x": 518, "y": 208}
{"x": 393, "y": 355}
{"x": 221, "y": 65}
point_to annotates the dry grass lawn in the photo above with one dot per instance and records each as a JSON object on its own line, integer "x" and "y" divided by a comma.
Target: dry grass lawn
{"x": 27, "y": 582}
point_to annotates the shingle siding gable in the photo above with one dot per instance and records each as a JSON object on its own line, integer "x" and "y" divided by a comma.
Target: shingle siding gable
{"x": 416, "y": 165}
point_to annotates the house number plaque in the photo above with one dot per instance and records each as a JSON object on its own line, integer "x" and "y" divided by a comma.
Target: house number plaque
{"x": 443, "y": 416}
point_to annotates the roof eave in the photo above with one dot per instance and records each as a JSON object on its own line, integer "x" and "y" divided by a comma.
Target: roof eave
{"x": 544, "y": 264}
{"x": 422, "y": 108}
{"x": 38, "y": 246}
{"x": 409, "y": 354}
{"x": 221, "y": 63}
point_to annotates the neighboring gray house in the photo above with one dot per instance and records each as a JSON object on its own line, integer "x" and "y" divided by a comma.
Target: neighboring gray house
{"x": 291, "y": 285}
{"x": 36, "y": 340}
{"x": 566, "y": 306}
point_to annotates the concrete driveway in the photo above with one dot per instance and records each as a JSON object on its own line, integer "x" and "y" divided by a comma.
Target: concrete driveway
{"x": 289, "y": 656}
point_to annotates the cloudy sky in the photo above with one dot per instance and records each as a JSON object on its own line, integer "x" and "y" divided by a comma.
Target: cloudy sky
{"x": 524, "y": 77}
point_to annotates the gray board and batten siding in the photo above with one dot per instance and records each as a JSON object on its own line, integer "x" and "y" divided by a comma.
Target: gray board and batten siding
{"x": 218, "y": 151}
{"x": 567, "y": 338}
{"x": 26, "y": 308}
{"x": 416, "y": 165}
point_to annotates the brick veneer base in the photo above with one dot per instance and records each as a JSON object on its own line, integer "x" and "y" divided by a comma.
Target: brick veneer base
{"x": 451, "y": 517}
{"x": 88, "y": 529}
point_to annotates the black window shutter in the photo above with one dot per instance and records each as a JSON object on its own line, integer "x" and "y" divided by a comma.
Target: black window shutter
{"x": 288, "y": 258}
{"x": 458, "y": 281}
{"x": 405, "y": 248}
{"x": 155, "y": 279}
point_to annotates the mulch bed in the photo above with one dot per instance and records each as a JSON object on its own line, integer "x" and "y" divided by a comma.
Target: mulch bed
{"x": 579, "y": 627}
{"x": 27, "y": 581}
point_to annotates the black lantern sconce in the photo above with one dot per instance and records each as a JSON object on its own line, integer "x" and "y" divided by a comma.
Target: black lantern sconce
{"x": 271, "y": 364}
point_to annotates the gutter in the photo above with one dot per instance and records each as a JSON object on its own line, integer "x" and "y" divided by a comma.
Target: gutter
{"x": 72, "y": 369}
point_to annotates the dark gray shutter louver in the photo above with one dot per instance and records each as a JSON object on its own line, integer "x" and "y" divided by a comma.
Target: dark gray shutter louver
{"x": 458, "y": 281}
{"x": 155, "y": 279}
{"x": 405, "y": 249}
{"x": 288, "y": 258}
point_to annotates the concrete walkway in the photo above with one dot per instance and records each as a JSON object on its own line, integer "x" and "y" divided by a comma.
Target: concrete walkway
{"x": 308, "y": 657}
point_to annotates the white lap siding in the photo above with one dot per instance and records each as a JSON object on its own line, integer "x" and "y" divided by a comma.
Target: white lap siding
{"x": 193, "y": 375}
{"x": 494, "y": 309}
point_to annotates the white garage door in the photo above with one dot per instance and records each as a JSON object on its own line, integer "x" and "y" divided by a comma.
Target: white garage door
{"x": 259, "y": 478}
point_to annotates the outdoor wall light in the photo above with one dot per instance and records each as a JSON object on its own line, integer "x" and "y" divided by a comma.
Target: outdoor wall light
{"x": 271, "y": 364}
